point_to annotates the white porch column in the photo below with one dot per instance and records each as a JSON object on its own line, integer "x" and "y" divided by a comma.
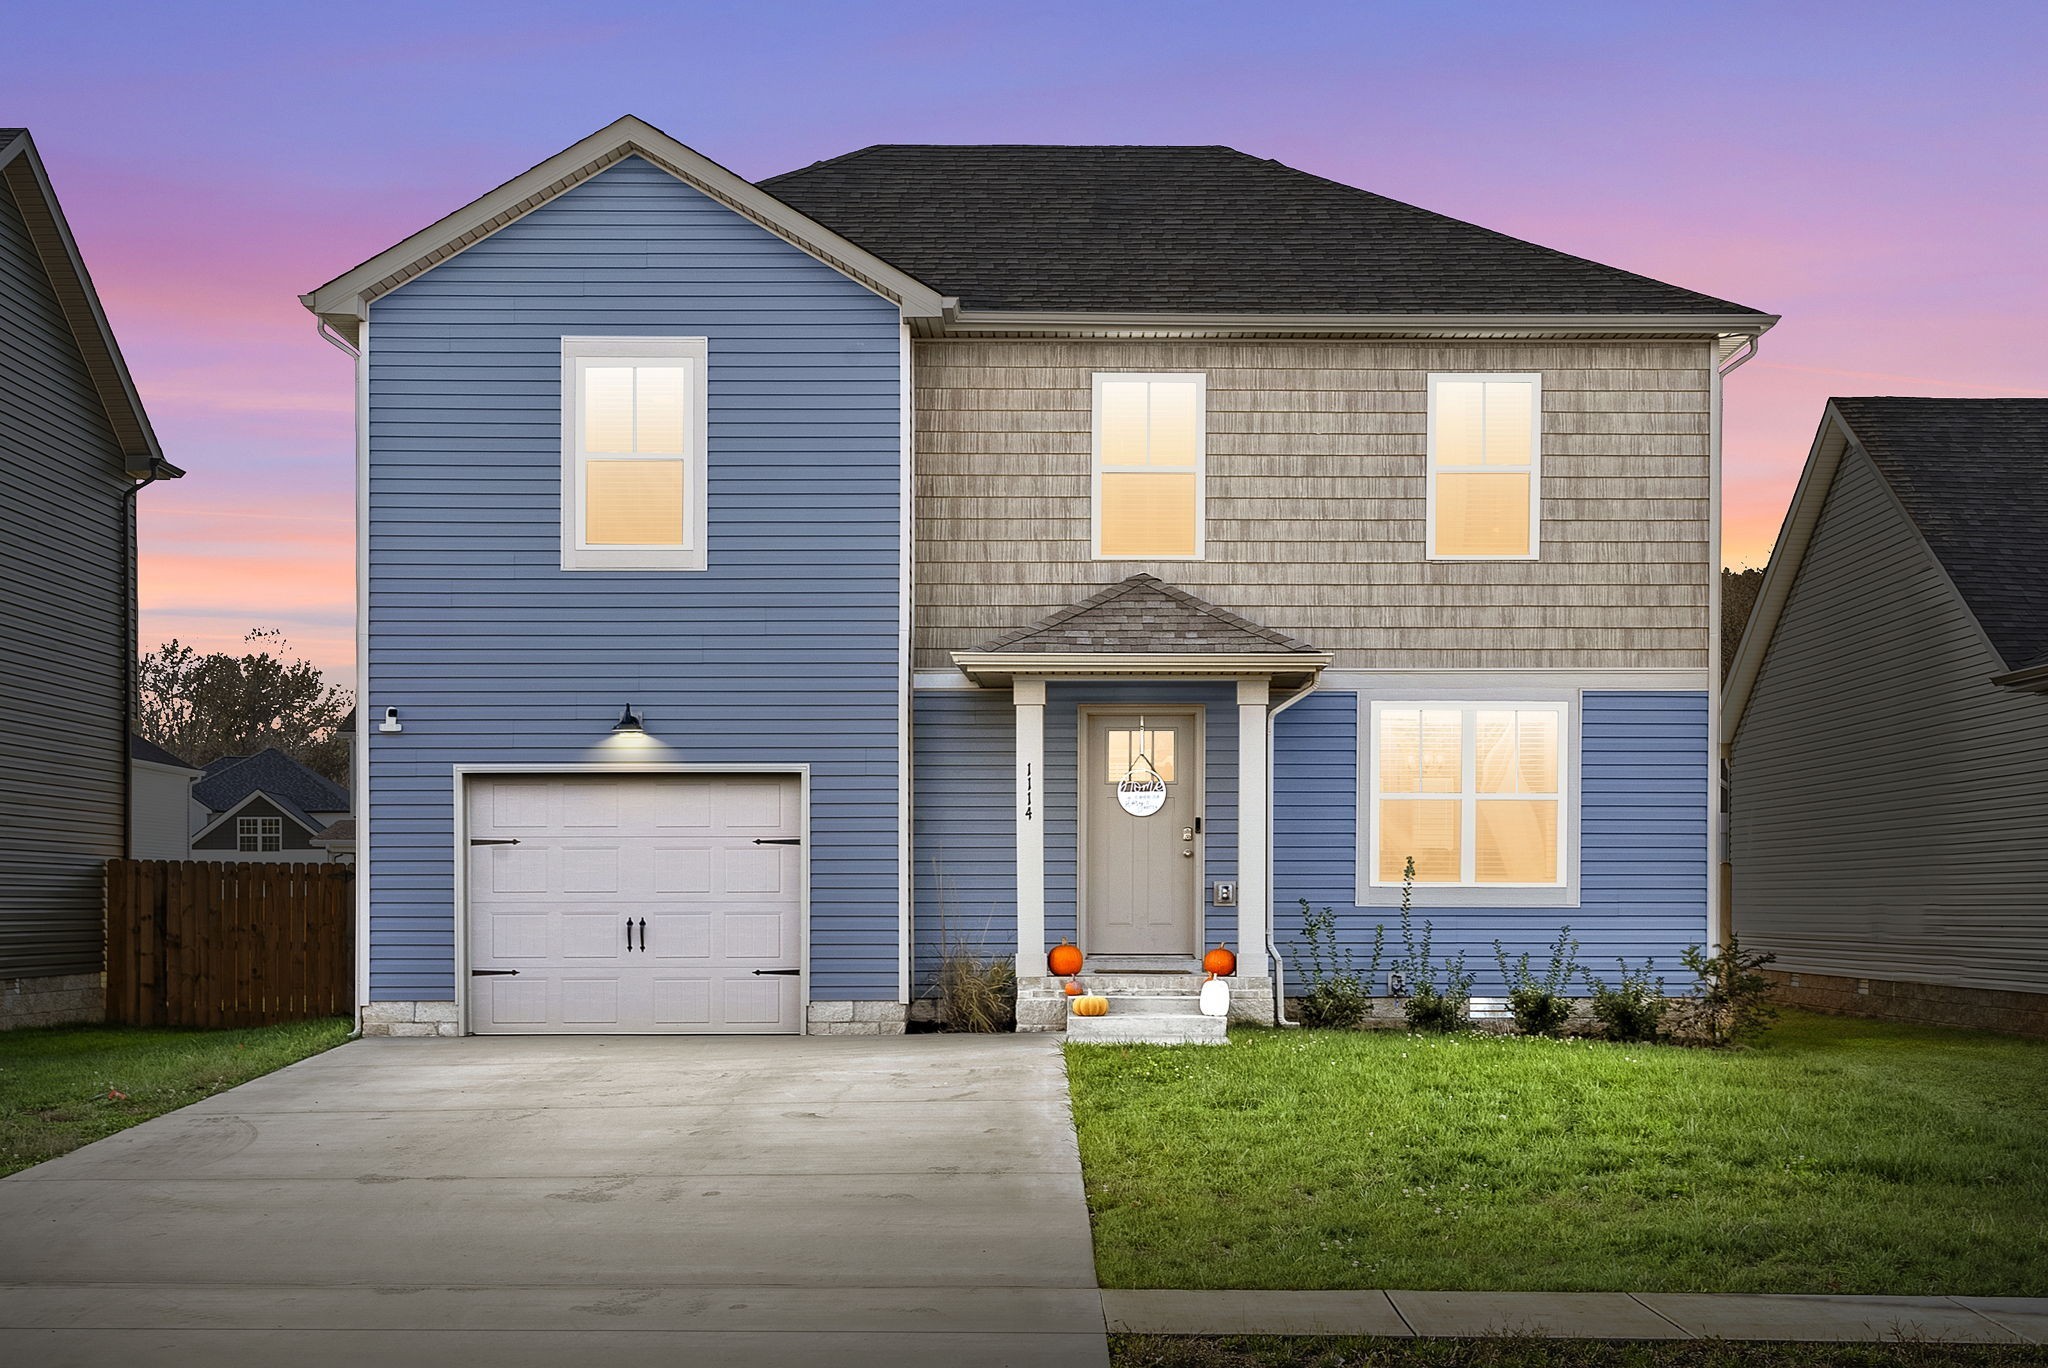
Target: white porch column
{"x": 1254, "y": 860}
{"x": 1028, "y": 696}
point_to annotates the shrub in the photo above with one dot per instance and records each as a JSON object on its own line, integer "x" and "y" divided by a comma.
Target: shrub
{"x": 1731, "y": 1001}
{"x": 1538, "y": 1003}
{"x": 1429, "y": 1005}
{"x": 1336, "y": 996}
{"x": 977, "y": 994}
{"x": 1633, "y": 1007}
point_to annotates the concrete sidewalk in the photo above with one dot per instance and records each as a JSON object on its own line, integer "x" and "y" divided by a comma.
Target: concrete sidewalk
{"x": 1581, "y": 1315}
{"x": 851, "y": 1200}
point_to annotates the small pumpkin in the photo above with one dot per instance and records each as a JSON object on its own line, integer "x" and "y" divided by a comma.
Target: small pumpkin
{"x": 1064, "y": 959}
{"x": 1074, "y": 988}
{"x": 1220, "y": 961}
{"x": 1091, "y": 1005}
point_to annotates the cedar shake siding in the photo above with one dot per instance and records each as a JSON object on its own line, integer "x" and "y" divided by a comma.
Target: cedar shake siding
{"x": 1316, "y": 477}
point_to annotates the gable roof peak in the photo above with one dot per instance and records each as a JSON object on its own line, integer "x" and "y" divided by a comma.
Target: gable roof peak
{"x": 1142, "y": 614}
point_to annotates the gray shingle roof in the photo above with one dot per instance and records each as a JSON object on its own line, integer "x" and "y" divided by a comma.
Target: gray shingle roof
{"x": 1973, "y": 475}
{"x": 138, "y": 748}
{"x": 1190, "y": 230}
{"x": 228, "y": 781}
{"x": 1144, "y": 615}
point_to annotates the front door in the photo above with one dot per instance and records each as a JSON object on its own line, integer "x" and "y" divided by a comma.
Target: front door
{"x": 1142, "y": 868}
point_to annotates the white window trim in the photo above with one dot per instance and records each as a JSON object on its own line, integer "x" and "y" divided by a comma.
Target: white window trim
{"x": 690, "y": 555}
{"x": 1468, "y": 799}
{"x": 258, "y": 829}
{"x": 1200, "y": 470}
{"x": 1535, "y": 463}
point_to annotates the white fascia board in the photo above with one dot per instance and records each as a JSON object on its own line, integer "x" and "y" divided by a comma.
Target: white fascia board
{"x": 991, "y": 666}
{"x": 344, "y": 301}
{"x": 1365, "y": 325}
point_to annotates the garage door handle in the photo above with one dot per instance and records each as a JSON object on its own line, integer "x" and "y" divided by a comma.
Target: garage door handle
{"x": 778, "y": 840}
{"x": 789, "y": 972}
{"x": 491, "y": 973}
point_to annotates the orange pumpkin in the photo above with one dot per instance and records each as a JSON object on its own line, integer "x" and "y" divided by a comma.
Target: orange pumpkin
{"x": 1064, "y": 959}
{"x": 1091, "y": 1006}
{"x": 1074, "y": 988}
{"x": 1220, "y": 961}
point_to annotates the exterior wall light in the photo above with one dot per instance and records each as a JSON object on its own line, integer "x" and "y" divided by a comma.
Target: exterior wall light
{"x": 390, "y": 722}
{"x": 629, "y": 722}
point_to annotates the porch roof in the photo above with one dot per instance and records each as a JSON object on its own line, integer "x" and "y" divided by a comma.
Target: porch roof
{"x": 1143, "y": 626}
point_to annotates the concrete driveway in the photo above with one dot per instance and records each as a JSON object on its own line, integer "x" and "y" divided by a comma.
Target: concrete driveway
{"x": 518, "y": 1201}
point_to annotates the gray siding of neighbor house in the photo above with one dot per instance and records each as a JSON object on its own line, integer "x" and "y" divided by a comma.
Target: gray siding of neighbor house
{"x": 784, "y": 651}
{"x": 226, "y": 836}
{"x": 1890, "y": 815}
{"x": 1316, "y": 475}
{"x": 63, "y": 586}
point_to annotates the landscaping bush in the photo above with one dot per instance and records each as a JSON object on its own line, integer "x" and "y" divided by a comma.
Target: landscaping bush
{"x": 1539, "y": 1004}
{"x": 977, "y": 995}
{"x": 1337, "y": 996}
{"x": 1732, "y": 1001}
{"x": 1632, "y": 1008}
{"x": 1436, "y": 996}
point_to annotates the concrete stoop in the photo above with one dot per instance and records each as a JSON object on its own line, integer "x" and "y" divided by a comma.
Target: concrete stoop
{"x": 1147, "y": 1009}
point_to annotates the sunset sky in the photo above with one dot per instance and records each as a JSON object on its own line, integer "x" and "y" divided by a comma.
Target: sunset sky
{"x": 1875, "y": 172}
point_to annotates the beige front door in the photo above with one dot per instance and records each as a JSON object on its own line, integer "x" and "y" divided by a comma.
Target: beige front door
{"x": 1141, "y": 874}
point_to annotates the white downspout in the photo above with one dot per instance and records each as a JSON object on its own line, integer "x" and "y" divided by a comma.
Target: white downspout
{"x": 1278, "y": 964}
{"x": 359, "y": 776}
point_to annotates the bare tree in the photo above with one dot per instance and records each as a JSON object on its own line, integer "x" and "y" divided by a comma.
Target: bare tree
{"x": 204, "y": 706}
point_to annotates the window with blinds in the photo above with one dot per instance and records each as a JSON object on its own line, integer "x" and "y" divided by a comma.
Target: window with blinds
{"x": 633, "y": 451}
{"x": 1150, "y": 458}
{"x": 1473, "y": 792}
{"x": 1484, "y": 478}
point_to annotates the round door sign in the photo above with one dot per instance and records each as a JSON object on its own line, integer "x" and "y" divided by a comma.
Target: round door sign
{"x": 1141, "y": 795}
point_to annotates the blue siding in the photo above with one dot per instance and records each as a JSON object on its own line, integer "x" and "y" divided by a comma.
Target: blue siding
{"x": 784, "y": 650}
{"x": 1642, "y": 840}
{"x": 966, "y": 833}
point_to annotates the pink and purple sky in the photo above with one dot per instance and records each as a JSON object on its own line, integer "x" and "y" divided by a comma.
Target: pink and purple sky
{"x": 1875, "y": 172}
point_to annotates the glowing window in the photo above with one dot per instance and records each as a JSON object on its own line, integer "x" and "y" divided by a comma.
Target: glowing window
{"x": 1150, "y": 459}
{"x": 633, "y": 427}
{"x": 1125, "y": 746}
{"x": 1484, "y": 466}
{"x": 1473, "y": 792}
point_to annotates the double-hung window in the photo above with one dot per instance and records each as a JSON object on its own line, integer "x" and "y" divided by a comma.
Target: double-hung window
{"x": 633, "y": 427}
{"x": 1473, "y": 792}
{"x": 258, "y": 834}
{"x": 1151, "y": 439}
{"x": 1485, "y": 466}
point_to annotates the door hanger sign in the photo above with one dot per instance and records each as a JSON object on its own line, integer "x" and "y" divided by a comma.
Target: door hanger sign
{"x": 1141, "y": 792}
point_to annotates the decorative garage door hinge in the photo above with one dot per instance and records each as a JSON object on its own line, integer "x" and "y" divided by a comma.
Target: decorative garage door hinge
{"x": 499, "y": 840}
{"x": 789, "y": 972}
{"x": 778, "y": 840}
{"x": 491, "y": 973}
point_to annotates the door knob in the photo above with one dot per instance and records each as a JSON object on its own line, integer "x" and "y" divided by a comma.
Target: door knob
{"x": 1187, "y": 854}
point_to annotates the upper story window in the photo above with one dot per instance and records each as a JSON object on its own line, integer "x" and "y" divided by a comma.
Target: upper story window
{"x": 1151, "y": 452}
{"x": 259, "y": 834}
{"x": 1485, "y": 477}
{"x": 633, "y": 422}
{"x": 1475, "y": 793}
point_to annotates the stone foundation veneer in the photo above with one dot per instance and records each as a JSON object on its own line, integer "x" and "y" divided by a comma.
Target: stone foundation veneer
{"x": 53, "y": 1000}
{"x": 857, "y": 1018}
{"x": 411, "y": 1019}
{"x": 1922, "y": 1004}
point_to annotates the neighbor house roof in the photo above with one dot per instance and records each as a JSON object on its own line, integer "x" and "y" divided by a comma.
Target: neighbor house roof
{"x": 1195, "y": 230}
{"x": 1141, "y": 625}
{"x": 339, "y": 832}
{"x": 152, "y": 753}
{"x": 28, "y": 184}
{"x": 229, "y": 780}
{"x": 1971, "y": 476}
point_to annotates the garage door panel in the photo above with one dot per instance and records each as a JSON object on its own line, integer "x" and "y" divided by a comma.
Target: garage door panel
{"x": 679, "y": 856}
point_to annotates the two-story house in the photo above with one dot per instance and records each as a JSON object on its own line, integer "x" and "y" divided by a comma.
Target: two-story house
{"x": 768, "y": 589}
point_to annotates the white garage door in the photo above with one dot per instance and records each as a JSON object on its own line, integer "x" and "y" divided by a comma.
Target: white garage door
{"x": 641, "y": 904}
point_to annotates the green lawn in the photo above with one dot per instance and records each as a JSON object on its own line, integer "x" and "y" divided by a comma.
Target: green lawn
{"x": 1146, "y": 1351}
{"x": 1838, "y": 1156}
{"x": 67, "y": 1086}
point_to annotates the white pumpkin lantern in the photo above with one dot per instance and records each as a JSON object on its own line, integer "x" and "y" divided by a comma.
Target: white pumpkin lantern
{"x": 1215, "y": 997}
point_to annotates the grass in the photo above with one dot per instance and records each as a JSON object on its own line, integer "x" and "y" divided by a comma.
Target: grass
{"x": 67, "y": 1086}
{"x": 1837, "y": 1156}
{"x": 1153, "y": 1351}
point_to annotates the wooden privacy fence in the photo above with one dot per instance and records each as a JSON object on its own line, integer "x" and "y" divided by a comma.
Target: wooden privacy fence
{"x": 216, "y": 943}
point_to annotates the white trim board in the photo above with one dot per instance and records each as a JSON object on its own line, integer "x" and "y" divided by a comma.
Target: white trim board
{"x": 460, "y": 851}
{"x": 344, "y": 301}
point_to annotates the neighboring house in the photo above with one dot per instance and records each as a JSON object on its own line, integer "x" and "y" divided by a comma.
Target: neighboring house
{"x": 1324, "y": 529}
{"x": 1887, "y": 719}
{"x": 75, "y": 446}
{"x": 264, "y": 808}
{"x": 338, "y": 839}
{"x": 161, "y": 809}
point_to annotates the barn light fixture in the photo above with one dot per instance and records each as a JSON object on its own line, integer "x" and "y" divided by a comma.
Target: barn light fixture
{"x": 629, "y": 722}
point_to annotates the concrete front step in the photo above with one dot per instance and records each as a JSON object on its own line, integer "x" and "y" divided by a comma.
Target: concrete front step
{"x": 1147, "y": 1028}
